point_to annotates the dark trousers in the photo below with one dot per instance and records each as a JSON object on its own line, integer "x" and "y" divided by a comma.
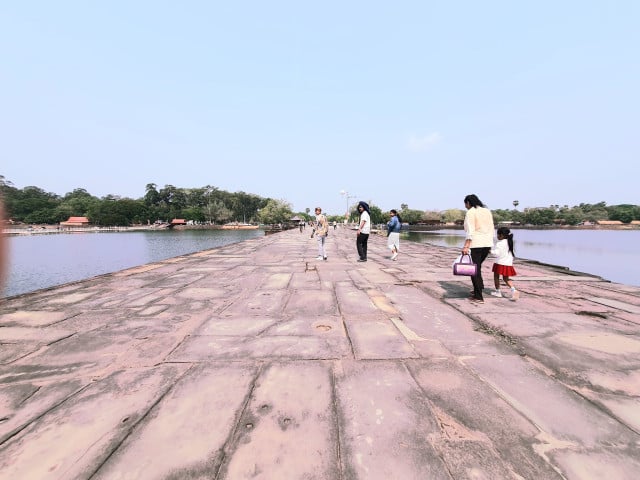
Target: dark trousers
{"x": 478, "y": 255}
{"x": 361, "y": 244}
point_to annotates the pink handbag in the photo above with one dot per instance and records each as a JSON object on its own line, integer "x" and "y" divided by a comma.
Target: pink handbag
{"x": 464, "y": 266}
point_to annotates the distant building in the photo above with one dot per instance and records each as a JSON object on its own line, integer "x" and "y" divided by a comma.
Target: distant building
{"x": 75, "y": 222}
{"x": 178, "y": 221}
{"x": 608, "y": 222}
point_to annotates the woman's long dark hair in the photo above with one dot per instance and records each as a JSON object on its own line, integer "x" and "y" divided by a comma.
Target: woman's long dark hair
{"x": 365, "y": 206}
{"x": 473, "y": 200}
{"x": 395, "y": 212}
{"x": 506, "y": 233}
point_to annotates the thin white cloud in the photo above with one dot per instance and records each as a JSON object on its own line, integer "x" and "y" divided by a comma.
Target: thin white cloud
{"x": 423, "y": 143}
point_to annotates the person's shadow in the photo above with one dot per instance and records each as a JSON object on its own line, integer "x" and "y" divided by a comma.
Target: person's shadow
{"x": 455, "y": 289}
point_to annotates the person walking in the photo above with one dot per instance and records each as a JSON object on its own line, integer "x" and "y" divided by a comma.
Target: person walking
{"x": 364, "y": 229}
{"x": 393, "y": 233}
{"x": 503, "y": 265}
{"x": 478, "y": 227}
{"x": 321, "y": 229}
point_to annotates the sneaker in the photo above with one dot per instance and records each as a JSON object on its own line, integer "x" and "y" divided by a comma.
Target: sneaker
{"x": 319, "y": 257}
{"x": 394, "y": 256}
{"x": 362, "y": 259}
{"x": 497, "y": 293}
{"x": 515, "y": 295}
{"x": 477, "y": 301}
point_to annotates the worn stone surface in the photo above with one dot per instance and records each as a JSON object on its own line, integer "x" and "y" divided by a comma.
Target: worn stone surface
{"x": 256, "y": 361}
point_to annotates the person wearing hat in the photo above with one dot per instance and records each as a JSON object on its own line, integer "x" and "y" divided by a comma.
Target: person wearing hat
{"x": 364, "y": 229}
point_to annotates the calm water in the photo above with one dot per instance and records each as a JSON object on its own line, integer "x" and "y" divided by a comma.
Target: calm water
{"x": 610, "y": 254}
{"x": 40, "y": 261}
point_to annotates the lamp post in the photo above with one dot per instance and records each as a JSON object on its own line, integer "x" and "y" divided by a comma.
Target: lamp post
{"x": 346, "y": 194}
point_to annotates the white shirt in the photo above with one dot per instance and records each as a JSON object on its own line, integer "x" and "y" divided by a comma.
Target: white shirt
{"x": 478, "y": 223}
{"x": 501, "y": 250}
{"x": 364, "y": 216}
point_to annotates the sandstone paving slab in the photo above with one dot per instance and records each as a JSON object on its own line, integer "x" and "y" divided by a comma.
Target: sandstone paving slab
{"x": 322, "y": 325}
{"x": 354, "y": 301}
{"x": 11, "y": 352}
{"x": 359, "y": 278}
{"x": 205, "y": 348}
{"x": 259, "y": 303}
{"x": 185, "y": 435}
{"x": 387, "y": 429}
{"x": 221, "y": 325}
{"x": 200, "y": 293}
{"x": 276, "y": 281}
{"x": 304, "y": 279}
{"x": 472, "y": 418}
{"x": 37, "y": 335}
{"x": 23, "y": 402}
{"x": 73, "y": 439}
{"x": 311, "y": 302}
{"x": 614, "y": 380}
{"x": 542, "y": 324}
{"x": 431, "y": 319}
{"x": 595, "y": 465}
{"x": 289, "y": 427}
{"x": 556, "y": 410}
{"x": 377, "y": 338}
{"x": 584, "y": 350}
{"x": 333, "y": 273}
{"x": 625, "y": 408}
{"x": 33, "y": 318}
{"x": 617, "y": 304}
{"x": 71, "y": 298}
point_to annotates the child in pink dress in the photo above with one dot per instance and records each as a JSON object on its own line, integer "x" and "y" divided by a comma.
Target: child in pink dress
{"x": 503, "y": 265}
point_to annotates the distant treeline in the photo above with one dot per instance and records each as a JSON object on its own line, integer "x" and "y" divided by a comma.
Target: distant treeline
{"x": 33, "y": 205}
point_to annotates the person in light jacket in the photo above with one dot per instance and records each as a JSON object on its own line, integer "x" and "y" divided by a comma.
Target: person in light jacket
{"x": 393, "y": 233}
{"x": 321, "y": 229}
{"x": 478, "y": 227}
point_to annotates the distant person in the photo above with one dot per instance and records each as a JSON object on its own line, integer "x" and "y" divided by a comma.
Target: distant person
{"x": 393, "y": 233}
{"x": 503, "y": 264}
{"x": 321, "y": 232}
{"x": 335, "y": 224}
{"x": 364, "y": 229}
{"x": 301, "y": 225}
{"x": 478, "y": 227}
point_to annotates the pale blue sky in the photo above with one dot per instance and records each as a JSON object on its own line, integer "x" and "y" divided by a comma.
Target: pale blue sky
{"x": 416, "y": 102}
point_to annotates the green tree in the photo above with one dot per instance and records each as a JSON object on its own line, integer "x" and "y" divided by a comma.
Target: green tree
{"x": 151, "y": 196}
{"x": 275, "y": 211}
{"x": 377, "y": 217}
{"x": 410, "y": 216}
{"x": 624, "y": 213}
{"x": 453, "y": 215}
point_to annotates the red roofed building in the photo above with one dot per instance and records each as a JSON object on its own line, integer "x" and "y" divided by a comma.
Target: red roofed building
{"x": 76, "y": 222}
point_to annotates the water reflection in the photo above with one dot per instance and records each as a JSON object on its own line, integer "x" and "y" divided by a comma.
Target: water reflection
{"x": 611, "y": 254}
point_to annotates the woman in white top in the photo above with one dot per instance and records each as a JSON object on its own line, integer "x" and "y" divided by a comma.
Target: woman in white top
{"x": 364, "y": 229}
{"x": 478, "y": 226}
